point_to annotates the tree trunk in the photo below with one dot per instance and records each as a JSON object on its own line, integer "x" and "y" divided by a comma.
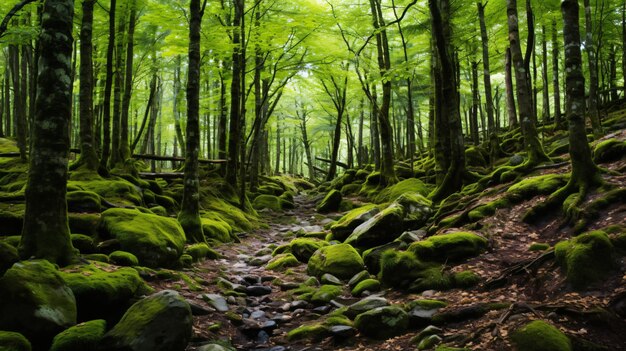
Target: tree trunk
{"x": 88, "y": 154}
{"x": 278, "y": 142}
{"x": 544, "y": 75}
{"x": 46, "y": 233}
{"x": 189, "y": 216}
{"x": 117, "y": 92}
{"x": 337, "y": 93}
{"x": 486, "y": 68}
{"x": 624, "y": 46}
{"x": 475, "y": 104}
{"x": 177, "y": 91}
{"x": 223, "y": 119}
{"x": 19, "y": 109}
{"x": 531, "y": 138}
{"x": 124, "y": 149}
{"x": 592, "y": 103}
{"x": 555, "y": 76}
{"x": 106, "y": 118}
{"x": 511, "y": 111}
{"x": 7, "y": 99}
{"x": 234, "y": 141}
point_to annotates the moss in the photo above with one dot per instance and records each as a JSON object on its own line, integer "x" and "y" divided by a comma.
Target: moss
{"x": 11, "y": 218}
{"x": 538, "y": 185}
{"x": 411, "y": 185}
{"x": 115, "y": 190}
{"x": 372, "y": 256}
{"x": 382, "y": 322}
{"x": 97, "y": 257}
{"x": 346, "y": 224}
{"x": 83, "y": 201}
{"x": 538, "y": 247}
{"x": 325, "y": 293}
{"x": 12, "y": 341}
{"x": 270, "y": 202}
{"x": 487, "y": 209}
{"x": 384, "y": 227}
{"x": 350, "y": 189}
{"x": 399, "y": 268}
{"x": 340, "y": 260}
{"x": 452, "y": 246}
{"x": 432, "y": 278}
{"x": 417, "y": 209}
{"x": 371, "y": 285}
{"x": 102, "y": 290}
{"x": 282, "y": 261}
{"x": 425, "y": 304}
{"x": 217, "y": 229}
{"x": 83, "y": 243}
{"x": 200, "y": 251}
{"x": 155, "y": 240}
{"x": 475, "y": 157}
{"x": 303, "y": 248}
{"x": 330, "y": 203}
{"x": 270, "y": 189}
{"x": 609, "y": 150}
{"x": 465, "y": 279}
{"x": 216, "y": 207}
{"x": 13, "y": 240}
{"x": 123, "y": 258}
{"x": 540, "y": 336}
{"x": 586, "y": 258}
{"x": 312, "y": 331}
{"x": 282, "y": 249}
{"x": 85, "y": 223}
{"x": 159, "y": 210}
{"x": 8, "y": 256}
{"x": 83, "y": 336}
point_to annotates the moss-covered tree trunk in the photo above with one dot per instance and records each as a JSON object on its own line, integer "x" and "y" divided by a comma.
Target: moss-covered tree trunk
{"x": 88, "y": 154}
{"x": 234, "y": 132}
{"x": 525, "y": 107}
{"x": 590, "y": 48}
{"x": 555, "y": 77}
{"x": 46, "y": 232}
{"x": 189, "y": 216}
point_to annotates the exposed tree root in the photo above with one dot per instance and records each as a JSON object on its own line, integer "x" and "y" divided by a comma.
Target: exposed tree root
{"x": 526, "y": 266}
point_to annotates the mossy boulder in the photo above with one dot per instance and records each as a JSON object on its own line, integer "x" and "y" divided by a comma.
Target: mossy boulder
{"x": 372, "y": 256}
{"x": 84, "y": 223}
{"x": 449, "y": 247}
{"x": 12, "y": 341}
{"x": 382, "y": 322}
{"x": 350, "y": 189}
{"x": 83, "y": 201}
{"x": 217, "y": 229}
{"x": 81, "y": 337}
{"x": 314, "y": 332}
{"x": 609, "y": 150}
{"x": 371, "y": 285}
{"x": 115, "y": 190}
{"x": 303, "y": 248}
{"x": 156, "y": 241}
{"x": 537, "y": 185}
{"x": 465, "y": 279}
{"x": 411, "y": 185}
{"x": 340, "y": 260}
{"x": 325, "y": 293}
{"x": 346, "y": 224}
{"x": 160, "y": 322}
{"x": 282, "y": 261}
{"x": 11, "y": 218}
{"x": 540, "y": 336}
{"x": 475, "y": 157}
{"x": 36, "y": 302}
{"x": 417, "y": 209}
{"x": 84, "y": 243}
{"x": 270, "y": 202}
{"x": 123, "y": 258}
{"x": 201, "y": 251}
{"x": 8, "y": 256}
{"x": 399, "y": 268}
{"x": 331, "y": 202}
{"x": 103, "y": 291}
{"x": 384, "y": 227}
{"x": 432, "y": 278}
{"x": 586, "y": 258}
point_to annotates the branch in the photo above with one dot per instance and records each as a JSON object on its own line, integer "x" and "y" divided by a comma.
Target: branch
{"x": 7, "y": 18}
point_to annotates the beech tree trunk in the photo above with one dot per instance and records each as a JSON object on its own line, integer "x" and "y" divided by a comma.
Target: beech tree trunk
{"x": 592, "y": 102}
{"x": 118, "y": 78}
{"x": 486, "y": 68}
{"x": 234, "y": 141}
{"x": 529, "y": 131}
{"x": 189, "y": 216}
{"x": 46, "y": 233}
{"x": 555, "y": 77}
{"x": 108, "y": 85}
{"x": 544, "y": 76}
{"x": 511, "y": 111}
{"x": 124, "y": 147}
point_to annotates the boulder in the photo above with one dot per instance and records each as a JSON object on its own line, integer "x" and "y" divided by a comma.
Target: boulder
{"x": 340, "y": 260}
{"x": 270, "y": 202}
{"x": 540, "y": 336}
{"x": 586, "y": 258}
{"x": 282, "y": 261}
{"x": 156, "y": 241}
{"x": 160, "y": 322}
{"x": 382, "y": 322}
{"x": 331, "y": 202}
{"x": 83, "y": 201}
{"x": 384, "y": 227}
{"x": 371, "y": 285}
{"x": 83, "y": 336}
{"x": 367, "y": 304}
{"x": 12, "y": 341}
{"x": 36, "y": 302}
{"x": 123, "y": 258}
{"x": 303, "y": 248}
{"x": 417, "y": 209}
{"x": 449, "y": 247}
{"x": 8, "y": 256}
{"x": 346, "y": 224}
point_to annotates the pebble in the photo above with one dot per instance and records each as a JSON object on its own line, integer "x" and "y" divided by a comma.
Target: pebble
{"x": 298, "y": 304}
{"x": 263, "y": 337}
{"x": 216, "y": 301}
{"x": 342, "y": 331}
{"x": 330, "y": 279}
{"x": 257, "y": 314}
{"x": 322, "y": 309}
{"x": 269, "y": 326}
{"x": 258, "y": 290}
{"x": 252, "y": 279}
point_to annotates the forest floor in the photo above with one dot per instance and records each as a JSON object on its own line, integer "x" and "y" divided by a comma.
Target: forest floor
{"x": 537, "y": 291}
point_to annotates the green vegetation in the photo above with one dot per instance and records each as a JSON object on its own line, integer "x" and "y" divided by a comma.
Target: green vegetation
{"x": 540, "y": 336}
{"x": 371, "y": 285}
{"x": 449, "y": 247}
{"x": 123, "y": 258}
{"x": 12, "y": 341}
{"x": 303, "y": 248}
{"x": 83, "y": 336}
{"x": 586, "y": 259}
{"x": 282, "y": 261}
{"x": 340, "y": 260}
{"x": 331, "y": 202}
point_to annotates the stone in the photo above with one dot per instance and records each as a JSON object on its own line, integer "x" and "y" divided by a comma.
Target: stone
{"x": 159, "y": 322}
{"x": 357, "y": 278}
{"x": 384, "y": 227}
{"x": 366, "y": 304}
{"x": 342, "y": 331}
{"x": 303, "y": 248}
{"x": 8, "y": 256}
{"x": 382, "y": 322}
{"x": 429, "y": 342}
{"x": 540, "y": 336}
{"x": 340, "y": 260}
{"x": 214, "y": 347}
{"x": 258, "y": 290}
{"x": 216, "y": 301}
{"x": 258, "y": 314}
{"x": 370, "y": 285}
{"x": 12, "y": 341}
{"x": 83, "y": 336}
{"x": 322, "y": 309}
{"x": 330, "y": 203}
{"x": 330, "y": 279}
{"x": 346, "y": 224}
{"x": 36, "y": 302}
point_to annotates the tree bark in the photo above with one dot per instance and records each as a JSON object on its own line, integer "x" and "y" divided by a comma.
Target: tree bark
{"x": 337, "y": 93}
{"x": 46, "y": 233}
{"x": 544, "y": 75}
{"x": 555, "y": 77}
{"x": 486, "y": 68}
{"x": 177, "y": 91}
{"x": 189, "y": 216}
{"x": 234, "y": 141}
{"x": 531, "y": 138}
{"x": 511, "y": 111}
{"x": 592, "y": 102}
{"x": 475, "y": 104}
{"x": 223, "y": 117}
{"x": 124, "y": 148}
{"x": 108, "y": 85}
{"x": 118, "y": 77}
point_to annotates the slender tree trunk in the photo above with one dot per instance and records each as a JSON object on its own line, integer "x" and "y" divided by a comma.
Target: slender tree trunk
{"x": 613, "y": 73}
{"x": 278, "y": 144}
{"x": 223, "y": 119}
{"x": 189, "y": 216}
{"x": 544, "y": 75}
{"x": 592, "y": 102}
{"x": 46, "y": 232}
{"x": 439, "y": 127}
{"x": 529, "y": 131}
{"x": 234, "y": 141}
{"x": 624, "y": 46}
{"x": 177, "y": 91}
{"x": 360, "y": 152}
{"x": 118, "y": 78}
{"x": 486, "y": 68}
{"x": 511, "y": 111}
{"x": 19, "y": 109}
{"x": 374, "y": 134}
{"x": 555, "y": 77}
{"x": 128, "y": 84}
{"x": 3, "y": 102}
{"x": 7, "y": 99}
{"x": 475, "y": 104}
{"x": 106, "y": 118}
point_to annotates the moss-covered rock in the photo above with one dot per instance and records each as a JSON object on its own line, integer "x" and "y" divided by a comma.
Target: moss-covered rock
{"x": 201, "y": 251}
{"x": 215, "y": 228}
{"x": 350, "y": 189}
{"x": 270, "y": 202}
{"x": 382, "y": 322}
{"x": 331, "y": 202}
{"x": 325, "y": 293}
{"x": 538, "y": 185}
{"x": 609, "y": 150}
{"x": 160, "y": 322}
{"x": 155, "y": 240}
{"x": 465, "y": 279}
{"x": 475, "y": 157}
{"x": 12, "y": 341}
{"x": 586, "y": 258}
{"x": 8, "y": 256}
{"x": 36, "y": 302}
{"x": 384, "y": 227}
{"x": 115, "y": 190}
{"x": 449, "y": 247}
{"x": 282, "y": 261}
{"x": 83, "y": 201}
{"x": 417, "y": 209}
{"x": 81, "y": 337}
{"x": 346, "y": 224}
{"x": 123, "y": 258}
{"x": 340, "y": 260}
{"x": 84, "y": 223}
{"x": 11, "y": 218}
{"x": 303, "y": 248}
{"x": 311, "y": 331}
{"x": 540, "y": 336}
{"x": 432, "y": 278}
{"x": 103, "y": 291}
{"x": 371, "y": 285}
{"x": 372, "y": 256}
{"x": 84, "y": 243}
{"x": 399, "y": 268}
{"x": 411, "y": 185}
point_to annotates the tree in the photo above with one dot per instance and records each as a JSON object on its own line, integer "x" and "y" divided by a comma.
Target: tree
{"x": 46, "y": 233}
{"x": 108, "y": 85}
{"x": 189, "y": 216}
{"x": 531, "y": 138}
{"x": 494, "y": 149}
{"x": 594, "y": 115}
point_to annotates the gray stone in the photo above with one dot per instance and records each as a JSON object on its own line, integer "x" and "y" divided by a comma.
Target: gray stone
{"x": 516, "y": 160}
{"x": 214, "y": 347}
{"x": 357, "y": 278}
{"x": 384, "y": 227}
{"x": 382, "y": 322}
{"x": 257, "y": 314}
{"x": 366, "y": 304}
{"x": 216, "y": 301}
{"x": 342, "y": 331}
{"x": 258, "y": 290}
{"x": 330, "y": 279}
{"x": 429, "y": 342}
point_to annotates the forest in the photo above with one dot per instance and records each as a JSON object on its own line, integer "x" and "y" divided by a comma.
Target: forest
{"x": 221, "y": 175}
